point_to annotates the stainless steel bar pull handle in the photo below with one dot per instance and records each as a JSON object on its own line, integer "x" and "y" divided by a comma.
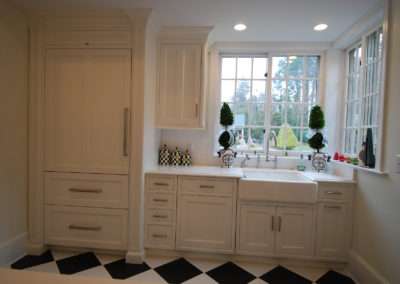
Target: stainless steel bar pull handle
{"x": 160, "y": 200}
{"x": 159, "y": 216}
{"x": 207, "y": 186}
{"x": 161, "y": 183}
{"x": 159, "y": 236}
{"x": 279, "y": 223}
{"x": 197, "y": 110}
{"x": 86, "y": 228}
{"x": 333, "y": 206}
{"x": 272, "y": 223}
{"x": 334, "y": 192}
{"x": 125, "y": 146}
{"x": 88, "y": 190}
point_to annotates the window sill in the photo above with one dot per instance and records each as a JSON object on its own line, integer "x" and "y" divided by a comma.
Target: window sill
{"x": 360, "y": 168}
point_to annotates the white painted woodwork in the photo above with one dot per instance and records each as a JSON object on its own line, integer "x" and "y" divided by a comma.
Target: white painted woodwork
{"x": 161, "y": 199}
{"x": 333, "y": 191}
{"x": 162, "y": 183}
{"x": 205, "y": 223}
{"x": 160, "y": 236}
{"x": 86, "y": 227}
{"x": 158, "y": 215}
{"x": 86, "y": 92}
{"x": 332, "y": 230}
{"x": 180, "y": 90}
{"x": 91, "y": 190}
{"x": 294, "y": 231}
{"x": 88, "y": 38}
{"x": 207, "y": 185}
{"x": 256, "y": 229}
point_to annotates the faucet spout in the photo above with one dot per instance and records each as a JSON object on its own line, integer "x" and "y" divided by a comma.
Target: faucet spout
{"x": 275, "y": 141}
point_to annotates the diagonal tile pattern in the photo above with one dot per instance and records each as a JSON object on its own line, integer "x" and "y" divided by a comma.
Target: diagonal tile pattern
{"x": 177, "y": 270}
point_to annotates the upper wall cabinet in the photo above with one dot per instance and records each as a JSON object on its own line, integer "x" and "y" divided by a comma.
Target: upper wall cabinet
{"x": 181, "y": 77}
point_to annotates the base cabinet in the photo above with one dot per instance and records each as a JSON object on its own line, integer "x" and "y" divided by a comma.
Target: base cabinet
{"x": 268, "y": 229}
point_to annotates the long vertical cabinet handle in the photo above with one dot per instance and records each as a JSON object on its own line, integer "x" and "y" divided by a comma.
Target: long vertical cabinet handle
{"x": 125, "y": 150}
{"x": 279, "y": 223}
{"x": 197, "y": 110}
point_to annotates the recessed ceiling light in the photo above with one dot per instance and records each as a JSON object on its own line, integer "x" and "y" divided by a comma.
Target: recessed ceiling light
{"x": 240, "y": 27}
{"x": 320, "y": 27}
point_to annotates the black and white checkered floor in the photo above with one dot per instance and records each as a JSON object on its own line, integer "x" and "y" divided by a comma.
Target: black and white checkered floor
{"x": 177, "y": 270}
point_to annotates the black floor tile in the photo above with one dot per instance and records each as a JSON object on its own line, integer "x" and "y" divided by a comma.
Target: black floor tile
{"x": 281, "y": 275}
{"x": 32, "y": 260}
{"x": 333, "y": 277}
{"x": 77, "y": 263}
{"x": 178, "y": 271}
{"x": 230, "y": 273}
{"x": 121, "y": 270}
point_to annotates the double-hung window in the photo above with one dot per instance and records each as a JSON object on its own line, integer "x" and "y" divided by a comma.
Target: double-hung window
{"x": 363, "y": 91}
{"x": 264, "y": 101}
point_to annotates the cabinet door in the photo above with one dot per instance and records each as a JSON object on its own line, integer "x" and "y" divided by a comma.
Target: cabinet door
{"x": 332, "y": 230}
{"x": 86, "y": 94}
{"x": 205, "y": 223}
{"x": 180, "y": 94}
{"x": 294, "y": 233}
{"x": 256, "y": 232}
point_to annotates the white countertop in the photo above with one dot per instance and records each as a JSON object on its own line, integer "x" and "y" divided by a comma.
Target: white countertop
{"x": 214, "y": 171}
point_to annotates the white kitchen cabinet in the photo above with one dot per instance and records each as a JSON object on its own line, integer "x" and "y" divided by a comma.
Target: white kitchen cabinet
{"x": 181, "y": 78}
{"x": 206, "y": 214}
{"x": 332, "y": 232}
{"x": 268, "y": 229}
{"x": 87, "y": 99}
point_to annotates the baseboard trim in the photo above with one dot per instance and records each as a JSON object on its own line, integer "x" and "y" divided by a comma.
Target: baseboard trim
{"x": 34, "y": 249}
{"x": 362, "y": 271}
{"x": 135, "y": 257}
{"x": 13, "y": 249}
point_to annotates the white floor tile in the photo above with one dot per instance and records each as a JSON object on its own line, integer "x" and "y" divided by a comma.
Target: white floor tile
{"x": 258, "y": 281}
{"x": 60, "y": 254}
{"x": 201, "y": 279}
{"x": 50, "y": 267}
{"x": 148, "y": 276}
{"x": 105, "y": 258}
{"x": 155, "y": 261}
{"x": 257, "y": 269}
{"x": 205, "y": 265}
{"x": 311, "y": 273}
{"x": 98, "y": 271}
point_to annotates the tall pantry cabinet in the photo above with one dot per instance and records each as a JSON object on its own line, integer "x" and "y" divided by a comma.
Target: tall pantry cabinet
{"x": 86, "y": 123}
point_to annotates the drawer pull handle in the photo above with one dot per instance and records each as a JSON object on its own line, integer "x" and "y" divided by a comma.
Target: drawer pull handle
{"x": 99, "y": 190}
{"x": 207, "y": 186}
{"x": 87, "y": 228}
{"x": 161, "y": 184}
{"x": 333, "y": 206}
{"x": 333, "y": 192}
{"x": 159, "y": 216}
{"x": 160, "y": 200}
{"x": 160, "y": 236}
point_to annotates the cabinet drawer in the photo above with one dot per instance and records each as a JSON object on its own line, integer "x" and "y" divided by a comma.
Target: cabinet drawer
{"x": 161, "y": 199}
{"x": 207, "y": 185}
{"x": 161, "y": 183}
{"x": 92, "y": 190}
{"x": 88, "y": 38}
{"x": 160, "y": 236}
{"x": 336, "y": 192}
{"x": 86, "y": 227}
{"x": 160, "y": 215}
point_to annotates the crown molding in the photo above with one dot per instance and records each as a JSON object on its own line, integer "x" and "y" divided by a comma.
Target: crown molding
{"x": 187, "y": 33}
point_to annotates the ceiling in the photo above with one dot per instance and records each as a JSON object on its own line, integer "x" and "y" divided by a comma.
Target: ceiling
{"x": 267, "y": 20}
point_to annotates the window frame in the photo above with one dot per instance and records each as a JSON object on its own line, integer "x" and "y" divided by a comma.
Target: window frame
{"x": 269, "y": 55}
{"x": 362, "y": 93}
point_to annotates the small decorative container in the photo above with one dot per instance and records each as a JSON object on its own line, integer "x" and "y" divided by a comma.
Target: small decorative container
{"x": 176, "y": 158}
{"x": 318, "y": 161}
{"x": 227, "y": 157}
{"x": 186, "y": 159}
{"x": 163, "y": 156}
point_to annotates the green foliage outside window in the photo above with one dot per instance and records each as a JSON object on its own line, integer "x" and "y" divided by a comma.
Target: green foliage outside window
{"x": 291, "y": 139}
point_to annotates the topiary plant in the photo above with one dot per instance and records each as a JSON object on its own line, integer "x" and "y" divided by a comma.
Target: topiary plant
{"x": 227, "y": 138}
{"x": 317, "y": 123}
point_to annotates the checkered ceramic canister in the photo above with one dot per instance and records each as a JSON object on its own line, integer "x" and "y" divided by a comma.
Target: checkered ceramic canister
{"x": 163, "y": 156}
{"x": 176, "y": 158}
{"x": 186, "y": 159}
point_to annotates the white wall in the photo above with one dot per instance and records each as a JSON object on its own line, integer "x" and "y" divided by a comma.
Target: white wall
{"x": 377, "y": 229}
{"x": 13, "y": 123}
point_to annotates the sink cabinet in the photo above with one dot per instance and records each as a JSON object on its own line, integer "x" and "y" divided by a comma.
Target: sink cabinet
{"x": 267, "y": 229}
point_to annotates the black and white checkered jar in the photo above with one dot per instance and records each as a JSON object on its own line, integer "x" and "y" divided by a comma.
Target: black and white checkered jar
{"x": 176, "y": 158}
{"x": 186, "y": 159}
{"x": 163, "y": 156}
